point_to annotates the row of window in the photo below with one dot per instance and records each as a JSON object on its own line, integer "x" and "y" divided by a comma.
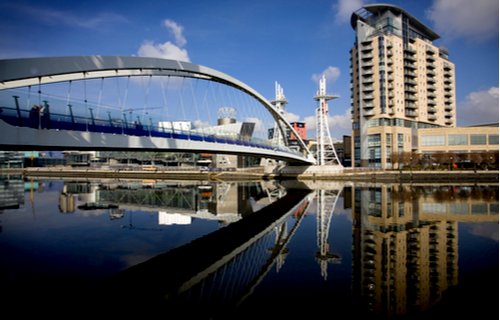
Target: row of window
{"x": 395, "y": 122}
{"x": 459, "y": 139}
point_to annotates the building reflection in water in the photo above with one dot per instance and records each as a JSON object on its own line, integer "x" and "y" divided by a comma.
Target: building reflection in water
{"x": 405, "y": 242}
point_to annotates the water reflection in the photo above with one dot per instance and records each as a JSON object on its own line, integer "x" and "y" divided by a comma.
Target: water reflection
{"x": 212, "y": 247}
{"x": 405, "y": 252}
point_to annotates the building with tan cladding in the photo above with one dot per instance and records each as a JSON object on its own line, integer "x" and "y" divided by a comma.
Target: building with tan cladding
{"x": 400, "y": 83}
{"x": 405, "y": 241}
{"x": 478, "y": 139}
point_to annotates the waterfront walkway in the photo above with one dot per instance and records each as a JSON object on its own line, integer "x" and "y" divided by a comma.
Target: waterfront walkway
{"x": 253, "y": 174}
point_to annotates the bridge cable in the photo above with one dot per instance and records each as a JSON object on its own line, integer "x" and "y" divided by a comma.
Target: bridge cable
{"x": 145, "y": 96}
{"x": 164, "y": 99}
{"x": 67, "y": 100}
{"x": 196, "y": 106}
{"x": 99, "y": 99}
{"x": 85, "y": 97}
{"x": 29, "y": 97}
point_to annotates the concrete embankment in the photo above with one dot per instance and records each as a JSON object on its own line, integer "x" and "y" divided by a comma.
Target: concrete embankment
{"x": 338, "y": 175}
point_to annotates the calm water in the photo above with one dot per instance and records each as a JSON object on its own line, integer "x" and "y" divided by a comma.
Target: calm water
{"x": 248, "y": 250}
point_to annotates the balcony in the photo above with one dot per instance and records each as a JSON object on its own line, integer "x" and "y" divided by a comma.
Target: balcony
{"x": 367, "y": 47}
{"x": 431, "y": 110}
{"x": 430, "y": 58}
{"x": 411, "y": 113}
{"x": 431, "y": 73}
{"x": 410, "y": 74}
{"x": 431, "y": 87}
{"x": 410, "y": 50}
{"x": 409, "y": 58}
{"x": 366, "y": 72}
{"x": 431, "y": 117}
{"x": 367, "y": 64}
{"x": 391, "y": 103}
{"x": 431, "y": 95}
{"x": 390, "y": 70}
{"x": 368, "y": 97}
{"x": 430, "y": 65}
{"x": 389, "y": 62}
{"x": 410, "y": 65}
{"x": 410, "y": 89}
{"x": 367, "y": 56}
{"x": 448, "y": 114}
{"x": 369, "y": 113}
{"x": 447, "y": 107}
{"x": 411, "y": 105}
{"x": 389, "y": 53}
{"x": 447, "y": 66}
{"x": 448, "y": 81}
{"x": 367, "y": 88}
{"x": 431, "y": 102}
{"x": 448, "y": 121}
{"x": 431, "y": 80}
{"x": 410, "y": 81}
{"x": 410, "y": 97}
{"x": 430, "y": 50}
{"x": 391, "y": 111}
{"x": 448, "y": 101}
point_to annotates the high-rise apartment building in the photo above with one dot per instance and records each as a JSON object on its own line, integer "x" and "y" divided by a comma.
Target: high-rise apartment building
{"x": 400, "y": 82}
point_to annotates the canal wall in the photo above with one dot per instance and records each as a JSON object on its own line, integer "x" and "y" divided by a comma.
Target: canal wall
{"x": 289, "y": 173}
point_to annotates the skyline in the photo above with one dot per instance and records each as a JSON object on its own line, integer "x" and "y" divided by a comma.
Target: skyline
{"x": 261, "y": 43}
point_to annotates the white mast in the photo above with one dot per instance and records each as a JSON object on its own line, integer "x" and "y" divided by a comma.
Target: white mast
{"x": 279, "y": 102}
{"x": 326, "y": 151}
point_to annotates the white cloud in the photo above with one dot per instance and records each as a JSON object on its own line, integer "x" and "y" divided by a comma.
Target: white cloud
{"x": 167, "y": 50}
{"x": 259, "y": 125}
{"x": 479, "y": 107}
{"x": 290, "y": 117}
{"x": 101, "y": 21}
{"x": 345, "y": 8}
{"x": 473, "y": 20}
{"x": 176, "y": 30}
{"x": 331, "y": 75}
{"x": 336, "y": 123}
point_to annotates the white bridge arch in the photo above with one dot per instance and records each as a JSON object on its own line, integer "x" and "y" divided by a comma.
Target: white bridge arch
{"x": 16, "y": 73}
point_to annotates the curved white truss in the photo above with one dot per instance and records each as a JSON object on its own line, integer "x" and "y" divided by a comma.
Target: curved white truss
{"x": 15, "y": 73}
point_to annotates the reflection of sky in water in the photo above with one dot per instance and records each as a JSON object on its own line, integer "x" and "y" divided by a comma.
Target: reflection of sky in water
{"x": 40, "y": 243}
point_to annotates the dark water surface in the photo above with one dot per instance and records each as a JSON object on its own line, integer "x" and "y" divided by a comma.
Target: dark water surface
{"x": 248, "y": 250}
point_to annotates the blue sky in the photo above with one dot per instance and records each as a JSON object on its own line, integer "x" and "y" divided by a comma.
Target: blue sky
{"x": 260, "y": 42}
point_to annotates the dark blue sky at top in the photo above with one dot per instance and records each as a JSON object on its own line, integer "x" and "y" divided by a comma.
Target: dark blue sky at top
{"x": 258, "y": 42}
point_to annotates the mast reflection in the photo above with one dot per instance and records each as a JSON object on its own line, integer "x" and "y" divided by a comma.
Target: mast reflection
{"x": 405, "y": 242}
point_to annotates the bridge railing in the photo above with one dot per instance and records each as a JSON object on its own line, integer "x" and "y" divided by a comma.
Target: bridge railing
{"x": 37, "y": 119}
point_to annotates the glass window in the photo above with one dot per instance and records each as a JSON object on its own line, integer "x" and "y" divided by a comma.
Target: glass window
{"x": 457, "y": 139}
{"x": 374, "y": 140}
{"x": 433, "y": 140}
{"x": 493, "y": 138}
{"x": 476, "y": 139}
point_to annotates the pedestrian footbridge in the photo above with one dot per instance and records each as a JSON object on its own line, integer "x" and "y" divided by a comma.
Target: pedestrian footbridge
{"x": 135, "y": 103}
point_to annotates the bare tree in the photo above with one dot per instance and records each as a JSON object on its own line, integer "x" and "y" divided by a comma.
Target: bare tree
{"x": 394, "y": 158}
{"x": 440, "y": 157}
{"x": 476, "y": 158}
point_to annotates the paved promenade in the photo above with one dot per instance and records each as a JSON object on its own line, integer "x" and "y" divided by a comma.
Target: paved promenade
{"x": 353, "y": 175}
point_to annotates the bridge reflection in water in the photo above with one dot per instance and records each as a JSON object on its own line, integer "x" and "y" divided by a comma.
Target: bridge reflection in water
{"x": 403, "y": 243}
{"x": 217, "y": 270}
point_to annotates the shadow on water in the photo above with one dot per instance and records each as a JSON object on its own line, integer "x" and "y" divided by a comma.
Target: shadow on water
{"x": 399, "y": 244}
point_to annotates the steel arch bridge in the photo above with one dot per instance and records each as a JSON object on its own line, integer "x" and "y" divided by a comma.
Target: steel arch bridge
{"x": 19, "y": 133}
